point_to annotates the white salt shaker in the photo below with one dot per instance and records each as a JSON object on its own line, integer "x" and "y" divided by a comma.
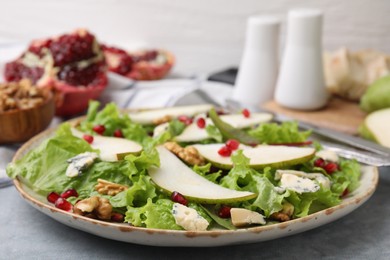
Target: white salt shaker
{"x": 258, "y": 70}
{"x": 301, "y": 83}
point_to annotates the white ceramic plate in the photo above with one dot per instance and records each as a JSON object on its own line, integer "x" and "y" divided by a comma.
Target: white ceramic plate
{"x": 157, "y": 237}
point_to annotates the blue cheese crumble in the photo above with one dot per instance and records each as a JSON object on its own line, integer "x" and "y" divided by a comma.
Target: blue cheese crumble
{"x": 80, "y": 163}
{"x": 188, "y": 218}
{"x": 301, "y": 182}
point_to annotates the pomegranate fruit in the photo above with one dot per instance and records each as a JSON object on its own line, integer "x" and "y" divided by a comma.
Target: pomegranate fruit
{"x": 72, "y": 65}
{"x": 52, "y": 197}
{"x": 118, "y": 133}
{"x": 88, "y": 138}
{"x": 246, "y": 113}
{"x": 232, "y": 144}
{"x": 63, "y": 204}
{"x": 177, "y": 197}
{"x": 225, "y": 151}
{"x": 201, "y": 123}
{"x": 224, "y": 212}
{"x": 142, "y": 65}
{"x": 69, "y": 193}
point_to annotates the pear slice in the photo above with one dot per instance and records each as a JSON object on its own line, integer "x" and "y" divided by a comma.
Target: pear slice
{"x": 193, "y": 133}
{"x": 174, "y": 175}
{"x": 376, "y": 127}
{"x": 148, "y": 117}
{"x": 111, "y": 148}
{"x": 261, "y": 156}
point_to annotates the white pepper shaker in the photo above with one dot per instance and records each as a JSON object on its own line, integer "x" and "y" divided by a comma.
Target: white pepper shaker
{"x": 258, "y": 70}
{"x": 301, "y": 83}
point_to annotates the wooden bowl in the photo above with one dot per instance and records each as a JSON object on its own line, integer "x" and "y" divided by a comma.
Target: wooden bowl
{"x": 20, "y": 125}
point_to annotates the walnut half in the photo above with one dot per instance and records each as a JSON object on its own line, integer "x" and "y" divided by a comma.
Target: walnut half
{"x": 188, "y": 154}
{"x": 109, "y": 188}
{"x": 94, "y": 207}
{"x": 285, "y": 214}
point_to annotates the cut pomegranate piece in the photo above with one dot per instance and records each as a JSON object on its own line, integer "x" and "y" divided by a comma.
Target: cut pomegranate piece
{"x": 69, "y": 193}
{"x": 345, "y": 193}
{"x": 52, "y": 197}
{"x": 319, "y": 163}
{"x": 118, "y": 133}
{"x": 331, "y": 167}
{"x": 117, "y": 217}
{"x": 225, "y": 151}
{"x": 71, "y": 64}
{"x": 99, "y": 129}
{"x": 177, "y": 197}
{"x": 201, "y": 123}
{"x": 143, "y": 65}
{"x": 185, "y": 119}
{"x": 224, "y": 212}
{"x": 232, "y": 144}
{"x": 88, "y": 138}
{"x": 246, "y": 113}
{"x": 63, "y": 204}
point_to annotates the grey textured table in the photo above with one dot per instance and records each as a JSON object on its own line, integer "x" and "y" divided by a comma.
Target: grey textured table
{"x": 25, "y": 233}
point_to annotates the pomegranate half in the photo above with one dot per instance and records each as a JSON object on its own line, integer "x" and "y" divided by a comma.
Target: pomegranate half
{"x": 141, "y": 65}
{"x": 73, "y": 65}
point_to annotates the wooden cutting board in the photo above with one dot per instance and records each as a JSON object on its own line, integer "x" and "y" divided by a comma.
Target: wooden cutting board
{"x": 339, "y": 115}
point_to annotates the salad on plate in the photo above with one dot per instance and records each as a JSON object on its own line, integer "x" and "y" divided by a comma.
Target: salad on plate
{"x": 193, "y": 168}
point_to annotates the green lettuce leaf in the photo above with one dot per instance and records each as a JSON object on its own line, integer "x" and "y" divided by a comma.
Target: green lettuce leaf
{"x": 272, "y": 133}
{"x": 43, "y": 168}
{"x": 113, "y": 119}
{"x": 153, "y": 215}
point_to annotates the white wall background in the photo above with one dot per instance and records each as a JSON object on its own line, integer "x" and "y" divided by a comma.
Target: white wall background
{"x": 205, "y": 35}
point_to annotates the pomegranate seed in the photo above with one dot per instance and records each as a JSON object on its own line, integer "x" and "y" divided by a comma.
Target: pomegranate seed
{"x": 345, "y": 192}
{"x": 319, "y": 163}
{"x": 331, "y": 167}
{"x": 177, "y": 197}
{"x": 246, "y": 112}
{"x": 88, "y": 138}
{"x": 63, "y": 204}
{"x": 69, "y": 193}
{"x": 99, "y": 129}
{"x": 201, "y": 123}
{"x": 52, "y": 197}
{"x": 224, "y": 212}
{"x": 117, "y": 217}
{"x": 185, "y": 119}
{"x": 118, "y": 133}
{"x": 225, "y": 151}
{"x": 232, "y": 144}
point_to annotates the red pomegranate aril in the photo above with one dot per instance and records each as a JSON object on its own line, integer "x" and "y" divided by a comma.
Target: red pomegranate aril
{"x": 232, "y": 144}
{"x": 177, "y": 197}
{"x": 99, "y": 129}
{"x": 63, "y": 204}
{"x": 118, "y": 133}
{"x": 69, "y": 193}
{"x": 345, "y": 193}
{"x": 117, "y": 217}
{"x": 201, "y": 123}
{"x": 88, "y": 138}
{"x": 331, "y": 167}
{"x": 52, "y": 197}
{"x": 225, "y": 151}
{"x": 224, "y": 212}
{"x": 319, "y": 163}
{"x": 246, "y": 113}
{"x": 185, "y": 119}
